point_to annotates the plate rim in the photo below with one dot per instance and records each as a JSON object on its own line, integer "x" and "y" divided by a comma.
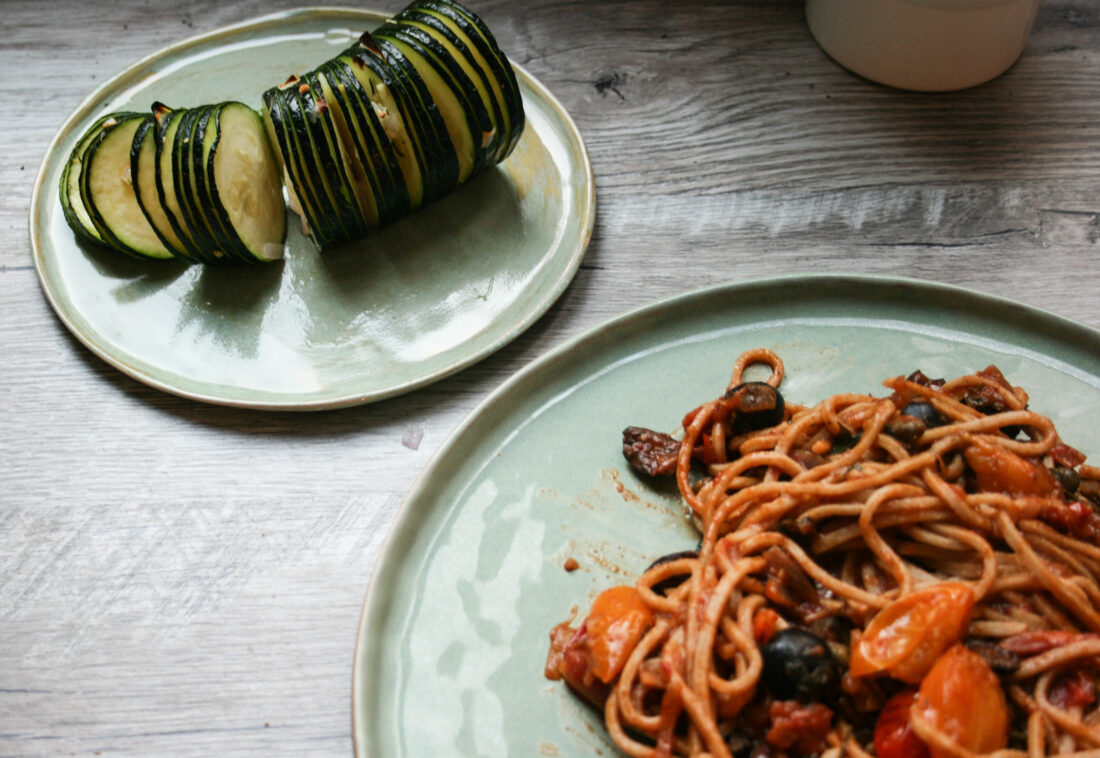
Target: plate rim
{"x": 40, "y": 194}
{"x": 401, "y": 528}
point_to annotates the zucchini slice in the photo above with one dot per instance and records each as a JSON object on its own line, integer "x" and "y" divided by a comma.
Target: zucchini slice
{"x": 72, "y": 206}
{"x": 474, "y": 30}
{"x": 374, "y": 152}
{"x": 168, "y": 123}
{"x": 297, "y": 181}
{"x": 278, "y": 135}
{"x": 143, "y": 177}
{"x": 357, "y": 168}
{"x": 304, "y": 162}
{"x": 335, "y": 176}
{"x": 227, "y": 248}
{"x": 242, "y": 177}
{"x": 391, "y": 107}
{"x": 321, "y": 220}
{"x": 184, "y": 167}
{"x": 107, "y": 191}
{"x": 439, "y": 166}
{"x": 453, "y": 93}
{"x": 475, "y": 65}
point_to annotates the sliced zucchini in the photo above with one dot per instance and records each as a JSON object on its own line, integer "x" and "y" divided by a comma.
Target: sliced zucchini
{"x": 191, "y": 144}
{"x": 205, "y": 142}
{"x": 475, "y": 62}
{"x": 374, "y": 151}
{"x": 244, "y": 184}
{"x": 453, "y": 93}
{"x": 278, "y": 135}
{"x": 439, "y": 166}
{"x": 324, "y": 219}
{"x": 184, "y": 167}
{"x": 476, "y": 32}
{"x": 107, "y": 192}
{"x": 394, "y": 122}
{"x": 143, "y": 177}
{"x": 391, "y": 107}
{"x": 69, "y": 187}
{"x": 167, "y": 125}
{"x": 320, "y": 119}
{"x": 357, "y": 168}
{"x": 218, "y": 194}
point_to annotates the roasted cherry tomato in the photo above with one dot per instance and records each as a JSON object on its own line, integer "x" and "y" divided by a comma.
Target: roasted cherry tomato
{"x": 907, "y": 636}
{"x": 894, "y": 735}
{"x": 618, "y": 619}
{"x": 962, "y": 697}
{"x": 568, "y": 660}
{"x": 1000, "y": 470}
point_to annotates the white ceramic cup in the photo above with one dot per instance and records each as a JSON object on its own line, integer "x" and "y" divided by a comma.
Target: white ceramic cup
{"x": 927, "y": 45}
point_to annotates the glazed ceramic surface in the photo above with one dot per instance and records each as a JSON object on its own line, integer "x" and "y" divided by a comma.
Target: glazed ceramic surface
{"x": 455, "y": 628}
{"x": 405, "y": 306}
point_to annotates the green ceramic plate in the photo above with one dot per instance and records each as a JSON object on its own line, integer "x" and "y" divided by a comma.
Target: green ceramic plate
{"x": 406, "y": 306}
{"x": 455, "y": 627}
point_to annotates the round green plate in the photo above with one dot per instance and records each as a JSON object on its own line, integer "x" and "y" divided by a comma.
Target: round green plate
{"x": 405, "y": 306}
{"x": 455, "y": 627}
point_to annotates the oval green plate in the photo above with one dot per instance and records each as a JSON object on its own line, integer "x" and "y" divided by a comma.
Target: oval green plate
{"x": 405, "y": 306}
{"x": 455, "y": 626}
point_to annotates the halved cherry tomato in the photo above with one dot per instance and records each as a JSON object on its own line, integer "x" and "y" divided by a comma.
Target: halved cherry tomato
{"x": 1000, "y": 470}
{"x": 962, "y": 697}
{"x": 618, "y": 619}
{"x": 568, "y": 660}
{"x": 907, "y": 636}
{"x": 894, "y": 736}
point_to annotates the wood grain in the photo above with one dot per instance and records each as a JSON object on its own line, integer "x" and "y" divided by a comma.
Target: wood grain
{"x": 178, "y": 578}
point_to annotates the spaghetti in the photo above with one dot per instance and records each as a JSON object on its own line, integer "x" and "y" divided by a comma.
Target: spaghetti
{"x": 909, "y": 576}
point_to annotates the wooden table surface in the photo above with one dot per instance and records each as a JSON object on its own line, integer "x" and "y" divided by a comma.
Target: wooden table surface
{"x": 158, "y": 596}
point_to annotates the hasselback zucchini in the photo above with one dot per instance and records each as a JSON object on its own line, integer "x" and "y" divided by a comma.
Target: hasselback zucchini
{"x": 404, "y": 116}
{"x": 428, "y": 92}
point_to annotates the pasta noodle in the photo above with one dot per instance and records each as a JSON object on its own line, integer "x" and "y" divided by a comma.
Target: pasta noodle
{"x": 903, "y": 577}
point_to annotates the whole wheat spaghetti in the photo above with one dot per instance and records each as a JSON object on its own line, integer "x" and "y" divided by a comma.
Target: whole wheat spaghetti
{"x": 908, "y": 576}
